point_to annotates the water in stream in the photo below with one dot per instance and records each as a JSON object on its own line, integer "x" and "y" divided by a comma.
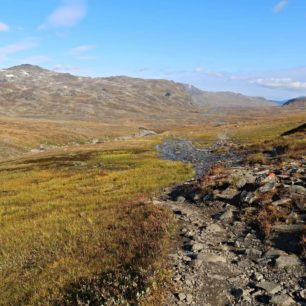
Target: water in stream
{"x": 201, "y": 159}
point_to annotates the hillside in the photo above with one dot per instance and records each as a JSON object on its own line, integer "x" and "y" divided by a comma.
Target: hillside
{"x": 298, "y": 103}
{"x": 227, "y": 100}
{"x": 33, "y": 92}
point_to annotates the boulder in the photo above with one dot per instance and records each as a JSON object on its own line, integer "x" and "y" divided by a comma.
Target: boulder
{"x": 282, "y": 300}
{"x": 270, "y": 287}
{"x": 287, "y": 261}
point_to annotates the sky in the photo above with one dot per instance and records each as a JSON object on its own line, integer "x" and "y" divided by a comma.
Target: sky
{"x": 255, "y": 47}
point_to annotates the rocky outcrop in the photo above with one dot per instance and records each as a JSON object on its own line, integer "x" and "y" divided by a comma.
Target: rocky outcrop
{"x": 240, "y": 236}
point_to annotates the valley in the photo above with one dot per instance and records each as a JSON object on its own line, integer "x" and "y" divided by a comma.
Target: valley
{"x": 91, "y": 207}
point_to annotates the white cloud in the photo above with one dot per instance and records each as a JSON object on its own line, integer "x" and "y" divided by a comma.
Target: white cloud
{"x": 280, "y": 6}
{"x": 280, "y": 83}
{"x": 4, "y": 27}
{"x": 69, "y": 14}
{"x": 17, "y": 47}
{"x": 81, "y": 50}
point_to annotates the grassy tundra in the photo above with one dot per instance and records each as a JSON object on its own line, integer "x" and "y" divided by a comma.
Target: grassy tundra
{"x": 78, "y": 225}
{"x": 68, "y": 218}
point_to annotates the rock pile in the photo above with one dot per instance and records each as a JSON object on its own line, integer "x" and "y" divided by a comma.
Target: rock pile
{"x": 242, "y": 233}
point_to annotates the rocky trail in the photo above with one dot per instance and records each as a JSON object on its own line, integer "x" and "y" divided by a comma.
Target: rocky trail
{"x": 241, "y": 237}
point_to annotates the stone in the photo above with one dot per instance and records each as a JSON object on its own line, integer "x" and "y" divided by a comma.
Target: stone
{"x": 271, "y": 177}
{"x": 181, "y": 296}
{"x": 267, "y": 187}
{"x": 272, "y": 253}
{"x": 181, "y": 199}
{"x": 189, "y": 234}
{"x": 270, "y": 287}
{"x": 254, "y": 253}
{"x": 298, "y": 189}
{"x": 247, "y": 197}
{"x": 227, "y": 194}
{"x": 189, "y": 298}
{"x": 287, "y": 261}
{"x": 196, "y": 263}
{"x": 197, "y": 247}
{"x": 282, "y": 300}
{"x": 241, "y": 183}
{"x": 303, "y": 294}
{"x": 257, "y": 276}
{"x": 211, "y": 258}
{"x": 228, "y": 214}
{"x": 281, "y": 202}
{"x": 214, "y": 228}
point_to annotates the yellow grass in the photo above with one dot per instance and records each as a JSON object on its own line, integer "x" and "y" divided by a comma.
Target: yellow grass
{"x": 69, "y": 217}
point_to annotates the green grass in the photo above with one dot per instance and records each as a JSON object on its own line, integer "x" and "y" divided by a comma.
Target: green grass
{"x": 66, "y": 219}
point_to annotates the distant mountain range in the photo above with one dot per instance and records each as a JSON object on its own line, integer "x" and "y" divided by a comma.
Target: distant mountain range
{"x": 296, "y": 103}
{"x": 34, "y": 92}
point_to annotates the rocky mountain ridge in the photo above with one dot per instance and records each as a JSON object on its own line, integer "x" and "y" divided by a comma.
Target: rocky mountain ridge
{"x": 34, "y": 92}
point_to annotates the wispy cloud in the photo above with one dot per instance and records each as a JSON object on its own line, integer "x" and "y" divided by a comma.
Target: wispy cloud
{"x": 210, "y": 73}
{"x": 280, "y": 6}
{"x": 81, "y": 50}
{"x": 17, "y": 47}
{"x": 68, "y": 14}
{"x": 4, "y": 27}
{"x": 280, "y": 83}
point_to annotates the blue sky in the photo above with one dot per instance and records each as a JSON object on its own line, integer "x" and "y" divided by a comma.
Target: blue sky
{"x": 256, "y": 47}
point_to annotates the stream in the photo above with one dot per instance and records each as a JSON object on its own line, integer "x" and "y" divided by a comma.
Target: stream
{"x": 202, "y": 159}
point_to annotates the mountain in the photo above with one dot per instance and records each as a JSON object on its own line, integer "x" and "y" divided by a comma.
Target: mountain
{"x": 34, "y": 92}
{"x": 227, "y": 99}
{"x": 299, "y": 103}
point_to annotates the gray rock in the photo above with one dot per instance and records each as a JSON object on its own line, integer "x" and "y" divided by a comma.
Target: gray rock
{"x": 281, "y": 202}
{"x": 267, "y": 187}
{"x": 189, "y": 298}
{"x": 181, "y": 296}
{"x": 196, "y": 263}
{"x": 254, "y": 253}
{"x": 228, "y": 214}
{"x": 282, "y": 300}
{"x": 287, "y": 261}
{"x": 272, "y": 253}
{"x": 189, "y": 234}
{"x": 247, "y": 197}
{"x": 211, "y": 258}
{"x": 214, "y": 228}
{"x": 303, "y": 294}
{"x": 298, "y": 189}
{"x": 288, "y": 228}
{"x": 227, "y": 194}
{"x": 181, "y": 199}
{"x": 269, "y": 287}
{"x": 241, "y": 183}
{"x": 197, "y": 247}
{"x": 257, "y": 276}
